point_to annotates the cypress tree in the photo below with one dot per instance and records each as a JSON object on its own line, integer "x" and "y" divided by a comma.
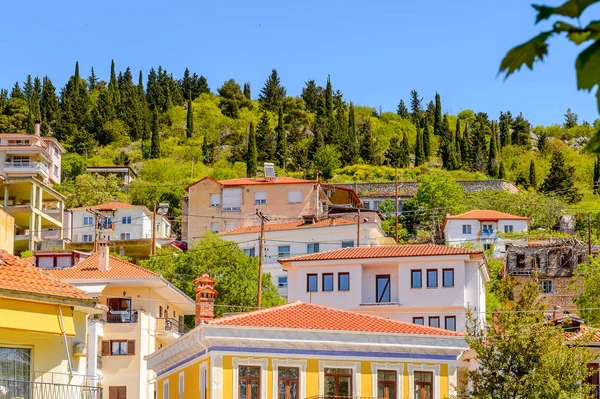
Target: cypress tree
{"x": 596, "y": 182}
{"x": 430, "y": 113}
{"x": 505, "y": 138}
{"x": 252, "y": 153}
{"x": 310, "y": 95}
{"x": 437, "y": 119}
{"x": 415, "y": 108}
{"x": 532, "y": 175}
{"x": 402, "y": 110}
{"x": 478, "y": 142}
{"x": 426, "y": 141}
{"x": 367, "y": 147}
{"x": 458, "y": 142}
{"x": 247, "y": 91}
{"x": 560, "y": 179}
{"x": 113, "y": 86}
{"x": 419, "y": 155}
{"x": 501, "y": 171}
{"x": 465, "y": 149}
{"x": 187, "y": 85}
{"x": 189, "y": 129}
{"x": 328, "y": 99}
{"x": 144, "y": 113}
{"x": 350, "y": 149}
{"x": 281, "y": 140}
{"x": 405, "y": 158}
{"x": 77, "y": 79}
{"x": 492, "y": 165}
{"x": 447, "y": 146}
{"x": 155, "y": 144}
{"x": 394, "y": 154}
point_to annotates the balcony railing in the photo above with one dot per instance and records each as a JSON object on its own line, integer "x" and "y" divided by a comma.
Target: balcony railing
{"x": 173, "y": 325}
{"x": 13, "y": 389}
{"x": 122, "y": 316}
{"x": 26, "y": 165}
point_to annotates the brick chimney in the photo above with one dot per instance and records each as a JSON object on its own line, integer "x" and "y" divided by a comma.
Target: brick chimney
{"x": 103, "y": 254}
{"x": 557, "y": 313}
{"x": 36, "y": 131}
{"x": 205, "y": 299}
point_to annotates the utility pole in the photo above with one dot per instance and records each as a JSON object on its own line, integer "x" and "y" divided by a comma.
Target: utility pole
{"x": 153, "y": 247}
{"x": 589, "y": 237}
{"x": 358, "y": 229}
{"x": 396, "y": 185}
{"x": 261, "y": 249}
{"x": 95, "y": 231}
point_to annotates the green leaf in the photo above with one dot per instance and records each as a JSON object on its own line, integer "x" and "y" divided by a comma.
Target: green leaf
{"x": 579, "y": 37}
{"x": 526, "y": 53}
{"x": 572, "y": 9}
{"x": 594, "y": 144}
{"x": 588, "y": 68}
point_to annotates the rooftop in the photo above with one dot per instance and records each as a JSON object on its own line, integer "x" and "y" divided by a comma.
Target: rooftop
{"x": 384, "y": 251}
{"x": 255, "y": 181}
{"x": 487, "y": 215}
{"x": 409, "y": 188}
{"x": 87, "y": 269}
{"x": 306, "y": 316}
{"x": 300, "y": 224}
{"x": 17, "y": 274}
{"x": 109, "y": 206}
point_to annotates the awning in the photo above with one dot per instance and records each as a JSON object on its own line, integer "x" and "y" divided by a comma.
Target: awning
{"x": 92, "y": 289}
{"x": 35, "y": 317}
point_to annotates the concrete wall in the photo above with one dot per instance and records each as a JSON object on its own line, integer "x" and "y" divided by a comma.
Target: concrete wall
{"x": 7, "y": 232}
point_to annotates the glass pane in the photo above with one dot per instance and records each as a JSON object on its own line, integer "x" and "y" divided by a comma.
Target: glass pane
{"x": 329, "y": 386}
{"x": 391, "y": 391}
{"x": 451, "y": 323}
{"x": 381, "y": 390}
{"x": 383, "y": 289}
{"x": 15, "y": 364}
{"x": 416, "y": 279}
{"x": 293, "y": 390}
{"x": 312, "y": 283}
{"x": 386, "y": 375}
{"x": 427, "y": 389}
{"x": 344, "y": 282}
{"x": 432, "y": 278}
{"x": 338, "y": 371}
{"x": 328, "y": 282}
{"x": 253, "y": 390}
{"x": 344, "y": 386}
{"x": 243, "y": 389}
{"x": 448, "y": 278}
{"x": 434, "y": 322}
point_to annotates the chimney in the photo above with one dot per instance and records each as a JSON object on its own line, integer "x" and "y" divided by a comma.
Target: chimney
{"x": 332, "y": 221}
{"x": 205, "y": 299}
{"x": 557, "y": 313}
{"x": 36, "y": 131}
{"x": 103, "y": 254}
{"x": 448, "y": 213}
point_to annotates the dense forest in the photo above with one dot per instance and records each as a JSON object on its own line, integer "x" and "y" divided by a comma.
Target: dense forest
{"x": 175, "y": 130}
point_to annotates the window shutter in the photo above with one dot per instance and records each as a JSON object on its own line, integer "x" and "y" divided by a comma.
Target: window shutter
{"x": 131, "y": 347}
{"x": 122, "y": 393}
{"x": 113, "y": 393}
{"x": 105, "y": 348}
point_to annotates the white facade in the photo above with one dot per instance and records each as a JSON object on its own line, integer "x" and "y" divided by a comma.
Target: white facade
{"x": 303, "y": 240}
{"x": 481, "y": 234}
{"x": 443, "y": 303}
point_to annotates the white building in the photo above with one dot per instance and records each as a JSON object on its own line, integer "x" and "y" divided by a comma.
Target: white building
{"x": 301, "y": 237}
{"x": 481, "y": 227}
{"x": 128, "y": 228}
{"x": 423, "y": 284}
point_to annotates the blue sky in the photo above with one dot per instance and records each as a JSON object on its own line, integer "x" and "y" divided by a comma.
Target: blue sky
{"x": 375, "y": 51}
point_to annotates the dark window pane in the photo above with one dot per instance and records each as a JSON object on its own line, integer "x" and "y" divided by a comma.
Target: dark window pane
{"x": 344, "y": 281}
{"x": 415, "y": 281}
{"x": 432, "y": 278}
{"x": 383, "y": 289}
{"x": 434, "y": 322}
{"x": 328, "y": 282}
{"x": 419, "y": 320}
{"x": 448, "y": 278}
{"x": 311, "y": 283}
{"x": 451, "y": 323}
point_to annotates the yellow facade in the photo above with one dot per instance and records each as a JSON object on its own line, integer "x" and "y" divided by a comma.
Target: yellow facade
{"x": 7, "y": 232}
{"x": 364, "y": 377}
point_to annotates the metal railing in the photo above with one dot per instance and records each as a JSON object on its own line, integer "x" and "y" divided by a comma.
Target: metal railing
{"x": 173, "y": 325}
{"x": 25, "y": 165}
{"x": 122, "y": 316}
{"x": 45, "y": 390}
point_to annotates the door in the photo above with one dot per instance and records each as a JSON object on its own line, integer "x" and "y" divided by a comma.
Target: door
{"x": 386, "y": 384}
{"x": 117, "y": 392}
{"x": 338, "y": 383}
{"x": 423, "y": 385}
{"x": 288, "y": 383}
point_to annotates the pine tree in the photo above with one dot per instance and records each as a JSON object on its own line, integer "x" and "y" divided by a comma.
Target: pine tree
{"x": 92, "y": 80}
{"x": 405, "y": 156}
{"x": 281, "y": 140}
{"x": 437, "y": 120}
{"x": 252, "y": 153}
{"x": 367, "y": 147}
{"x": 247, "y": 91}
{"x": 272, "y": 94}
{"x": 571, "y": 119}
{"x": 28, "y": 87}
{"x": 426, "y": 141}
{"x": 560, "y": 179}
{"x": 520, "y": 134}
{"x": 17, "y": 93}
{"x": 492, "y": 165}
{"x": 155, "y": 144}
{"x": 189, "y": 128}
{"x": 350, "y": 148}
{"x": 532, "y": 175}
{"x": 501, "y": 171}
{"x": 310, "y": 95}
{"x": 415, "y": 108}
{"x": 419, "y": 154}
{"x": 402, "y": 110}
{"x": 265, "y": 139}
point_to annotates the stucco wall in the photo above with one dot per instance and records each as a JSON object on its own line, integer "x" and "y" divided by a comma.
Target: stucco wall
{"x": 7, "y": 232}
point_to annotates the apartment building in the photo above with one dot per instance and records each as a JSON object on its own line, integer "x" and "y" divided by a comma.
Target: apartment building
{"x": 423, "y": 284}
{"x": 29, "y": 166}
{"x": 145, "y": 312}
{"x": 127, "y": 227}
{"x": 305, "y": 237}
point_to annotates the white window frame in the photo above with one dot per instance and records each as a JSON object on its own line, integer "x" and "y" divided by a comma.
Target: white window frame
{"x": 126, "y": 219}
{"x": 181, "y": 384}
{"x": 467, "y": 229}
{"x": 292, "y": 193}
{"x": 435, "y": 369}
{"x": 203, "y": 381}
{"x": 166, "y": 389}
{"x": 234, "y": 205}
{"x": 398, "y": 368}
{"x": 263, "y": 363}
{"x": 279, "y": 255}
{"x": 509, "y": 228}
{"x": 125, "y": 236}
{"x": 300, "y": 365}
{"x": 260, "y": 198}
{"x": 91, "y": 220}
{"x": 215, "y": 203}
{"x": 356, "y": 375}
{"x": 84, "y": 236}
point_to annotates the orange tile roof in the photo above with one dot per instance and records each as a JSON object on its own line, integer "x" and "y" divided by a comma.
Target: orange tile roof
{"x": 88, "y": 270}
{"x": 487, "y": 215}
{"x": 384, "y": 251}
{"x": 289, "y": 226}
{"x": 109, "y": 206}
{"x": 17, "y": 274}
{"x": 254, "y": 181}
{"x": 307, "y": 316}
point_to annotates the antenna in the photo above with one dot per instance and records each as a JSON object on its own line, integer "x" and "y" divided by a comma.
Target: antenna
{"x": 269, "y": 170}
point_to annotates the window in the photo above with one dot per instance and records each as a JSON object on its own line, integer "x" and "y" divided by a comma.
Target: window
{"x": 282, "y": 281}
{"x": 260, "y": 198}
{"x": 287, "y": 384}
{"x": 415, "y": 279}
{"x": 88, "y": 238}
{"x": 166, "y": 389}
{"x": 56, "y": 170}
{"x": 338, "y": 383}
{"x": 215, "y": 200}
{"x": 447, "y": 277}
{"x": 508, "y": 228}
{"x": 423, "y": 385}
{"x": 232, "y": 199}
{"x": 181, "y": 384}
{"x": 125, "y": 236}
{"x": 434, "y": 321}
{"x": 126, "y": 220}
{"x": 230, "y": 225}
{"x": 283, "y": 250}
{"x": 346, "y": 244}
{"x": 214, "y": 227}
{"x": 546, "y": 286}
{"x": 312, "y": 248}
{"x": 520, "y": 260}
{"x": 432, "y": 281}
{"x": 450, "y": 323}
{"x": 419, "y": 320}
{"x": 88, "y": 220}
{"x": 249, "y": 382}
{"x": 382, "y": 288}
{"x": 250, "y": 251}
{"x": 117, "y": 392}
{"x": 376, "y": 204}
{"x": 488, "y": 228}
{"x": 327, "y": 281}
{"x": 343, "y": 281}
{"x": 386, "y": 384}
{"x": 16, "y": 365}
{"x": 294, "y": 197}
{"x": 466, "y": 228}
{"x": 118, "y": 348}
{"x": 487, "y": 247}
{"x": 311, "y": 283}
{"x": 367, "y": 204}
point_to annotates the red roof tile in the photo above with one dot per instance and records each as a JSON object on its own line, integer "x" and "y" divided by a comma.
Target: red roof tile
{"x": 88, "y": 270}
{"x": 384, "y": 251}
{"x": 289, "y": 226}
{"x": 17, "y": 274}
{"x": 109, "y": 206}
{"x": 306, "y": 316}
{"x": 487, "y": 215}
{"x": 254, "y": 181}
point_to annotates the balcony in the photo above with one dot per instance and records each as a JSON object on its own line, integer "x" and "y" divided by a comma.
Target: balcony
{"x": 487, "y": 232}
{"x": 26, "y": 167}
{"x": 13, "y": 389}
{"x": 122, "y": 316}
{"x": 170, "y": 329}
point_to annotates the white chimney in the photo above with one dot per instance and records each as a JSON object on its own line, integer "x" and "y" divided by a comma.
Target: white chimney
{"x": 103, "y": 254}
{"x": 36, "y": 130}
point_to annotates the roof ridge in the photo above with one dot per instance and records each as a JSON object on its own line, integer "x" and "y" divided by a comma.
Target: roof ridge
{"x": 255, "y": 312}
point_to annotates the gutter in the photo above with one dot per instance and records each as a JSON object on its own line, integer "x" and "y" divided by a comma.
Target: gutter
{"x": 55, "y": 299}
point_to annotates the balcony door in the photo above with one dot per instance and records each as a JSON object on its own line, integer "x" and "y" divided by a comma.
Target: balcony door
{"x": 383, "y": 288}
{"x": 423, "y": 385}
{"x": 249, "y": 382}
{"x": 288, "y": 380}
{"x": 15, "y": 371}
{"x": 119, "y": 310}
{"x": 338, "y": 383}
{"x": 386, "y": 384}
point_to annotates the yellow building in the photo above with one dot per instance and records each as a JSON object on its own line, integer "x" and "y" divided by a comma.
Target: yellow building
{"x": 301, "y": 350}
{"x": 43, "y": 324}
{"x": 7, "y": 232}
{"x": 145, "y": 312}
